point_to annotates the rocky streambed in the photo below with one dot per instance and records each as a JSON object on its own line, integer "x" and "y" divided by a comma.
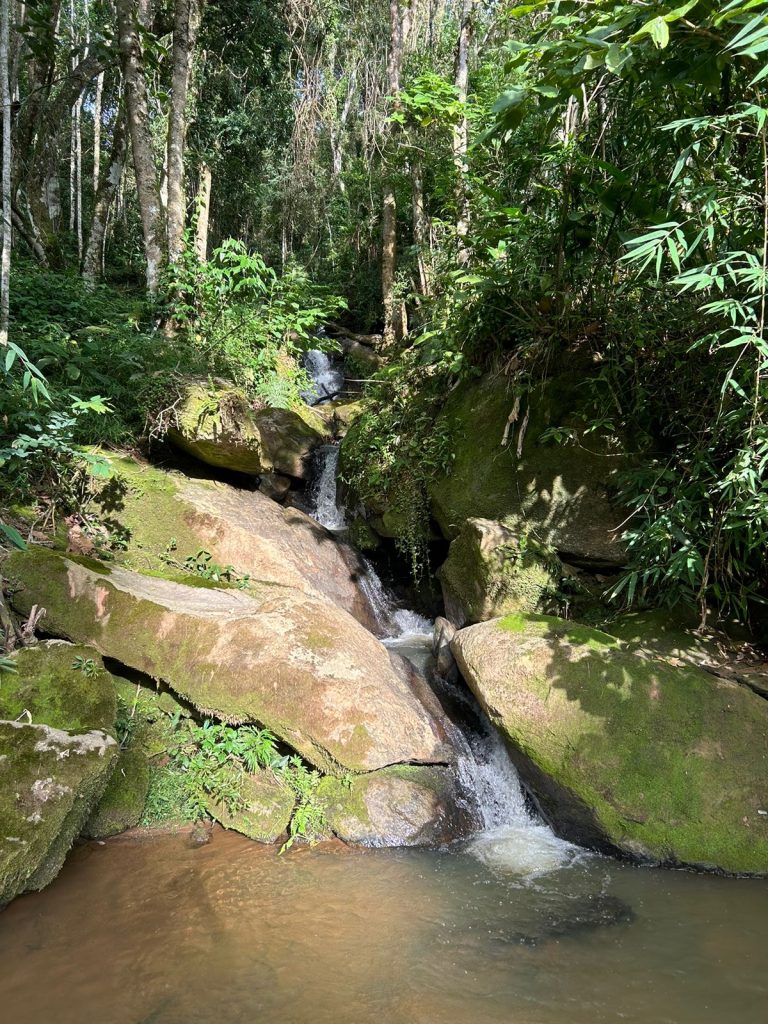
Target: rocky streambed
{"x": 215, "y": 602}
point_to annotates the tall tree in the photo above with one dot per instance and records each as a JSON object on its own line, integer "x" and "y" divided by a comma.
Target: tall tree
{"x": 461, "y": 129}
{"x": 105, "y": 198}
{"x": 185, "y": 25}
{"x": 5, "y": 94}
{"x": 393, "y": 319}
{"x": 137, "y": 112}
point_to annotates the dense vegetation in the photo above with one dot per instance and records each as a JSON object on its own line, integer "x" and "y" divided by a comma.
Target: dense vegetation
{"x": 192, "y": 189}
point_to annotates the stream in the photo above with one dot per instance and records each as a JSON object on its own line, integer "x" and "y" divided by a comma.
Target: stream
{"x": 510, "y": 926}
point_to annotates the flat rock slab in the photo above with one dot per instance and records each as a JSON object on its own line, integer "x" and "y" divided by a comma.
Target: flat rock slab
{"x": 627, "y": 753}
{"x": 155, "y": 510}
{"x": 302, "y": 667}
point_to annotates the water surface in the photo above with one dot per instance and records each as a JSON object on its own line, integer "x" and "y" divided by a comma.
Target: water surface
{"x": 140, "y": 931}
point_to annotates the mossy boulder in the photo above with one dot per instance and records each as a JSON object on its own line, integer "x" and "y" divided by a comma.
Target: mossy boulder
{"x": 556, "y": 493}
{"x": 267, "y": 808}
{"x": 162, "y": 515}
{"x": 216, "y": 424}
{"x": 276, "y": 656}
{"x": 406, "y": 805}
{"x": 50, "y": 780}
{"x": 122, "y": 804}
{"x": 492, "y": 571}
{"x": 61, "y": 685}
{"x": 624, "y": 753}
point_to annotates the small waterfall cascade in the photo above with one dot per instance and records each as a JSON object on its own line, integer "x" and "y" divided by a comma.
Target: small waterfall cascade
{"x": 513, "y": 839}
{"x": 323, "y": 491}
{"x": 327, "y": 377}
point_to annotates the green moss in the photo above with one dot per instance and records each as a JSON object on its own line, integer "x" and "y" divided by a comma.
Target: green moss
{"x": 47, "y": 688}
{"x": 122, "y": 805}
{"x": 268, "y": 805}
{"x": 49, "y": 782}
{"x": 491, "y": 571}
{"x": 553, "y": 492}
{"x": 671, "y": 762}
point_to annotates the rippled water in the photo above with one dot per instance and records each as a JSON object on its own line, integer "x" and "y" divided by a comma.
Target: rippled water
{"x": 140, "y": 931}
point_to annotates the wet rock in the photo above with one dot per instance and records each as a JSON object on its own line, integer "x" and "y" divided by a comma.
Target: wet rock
{"x": 217, "y": 425}
{"x": 50, "y": 780}
{"x": 122, "y": 804}
{"x": 276, "y": 656}
{"x": 625, "y": 753}
{"x": 571, "y": 918}
{"x": 445, "y": 663}
{"x": 555, "y": 493}
{"x": 162, "y": 515}
{"x": 491, "y": 570}
{"x": 406, "y": 805}
{"x": 200, "y": 834}
{"x": 267, "y": 807}
{"x": 274, "y": 485}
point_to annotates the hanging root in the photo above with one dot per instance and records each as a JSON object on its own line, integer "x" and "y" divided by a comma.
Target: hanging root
{"x": 512, "y": 418}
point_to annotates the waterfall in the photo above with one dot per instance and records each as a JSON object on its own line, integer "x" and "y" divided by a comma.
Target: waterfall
{"x": 325, "y": 508}
{"x": 513, "y": 839}
{"x": 327, "y": 379}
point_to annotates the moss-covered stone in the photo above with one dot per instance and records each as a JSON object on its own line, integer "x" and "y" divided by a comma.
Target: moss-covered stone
{"x": 50, "y": 780}
{"x": 299, "y": 666}
{"x": 267, "y": 811}
{"x": 163, "y": 517}
{"x": 491, "y": 571}
{"x": 62, "y": 685}
{"x": 216, "y": 424}
{"x": 405, "y": 805}
{"x": 671, "y": 634}
{"x": 624, "y": 752}
{"x": 557, "y": 494}
{"x": 122, "y": 804}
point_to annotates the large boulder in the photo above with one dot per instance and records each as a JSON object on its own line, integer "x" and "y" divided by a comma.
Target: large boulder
{"x": 216, "y": 424}
{"x": 276, "y": 656}
{"x": 556, "y": 493}
{"x": 159, "y": 516}
{"x": 406, "y": 805}
{"x": 50, "y": 780}
{"x": 61, "y": 685}
{"x": 122, "y": 804}
{"x": 492, "y": 571}
{"x": 626, "y": 753}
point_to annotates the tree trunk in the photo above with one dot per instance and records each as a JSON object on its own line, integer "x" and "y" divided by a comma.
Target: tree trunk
{"x": 137, "y": 112}
{"x": 203, "y": 213}
{"x": 460, "y": 131}
{"x": 97, "y": 104}
{"x": 93, "y": 261}
{"x": 421, "y": 232}
{"x": 393, "y": 320}
{"x": 5, "y": 96}
{"x": 185, "y": 27}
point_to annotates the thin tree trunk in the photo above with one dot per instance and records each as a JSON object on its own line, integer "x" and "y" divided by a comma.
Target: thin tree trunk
{"x": 185, "y": 27}
{"x": 5, "y": 95}
{"x": 93, "y": 262}
{"x": 97, "y": 105}
{"x": 393, "y": 320}
{"x": 137, "y": 111}
{"x": 461, "y": 132}
{"x": 421, "y": 232}
{"x": 203, "y": 213}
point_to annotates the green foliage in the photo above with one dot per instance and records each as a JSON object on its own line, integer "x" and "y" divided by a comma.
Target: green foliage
{"x": 214, "y": 759}
{"x": 87, "y": 666}
{"x": 395, "y": 449}
{"x": 201, "y": 564}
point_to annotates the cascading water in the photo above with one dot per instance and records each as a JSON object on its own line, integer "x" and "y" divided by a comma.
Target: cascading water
{"x": 512, "y": 838}
{"x": 327, "y": 378}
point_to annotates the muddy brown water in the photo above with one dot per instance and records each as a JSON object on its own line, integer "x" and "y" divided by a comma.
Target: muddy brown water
{"x": 156, "y": 931}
